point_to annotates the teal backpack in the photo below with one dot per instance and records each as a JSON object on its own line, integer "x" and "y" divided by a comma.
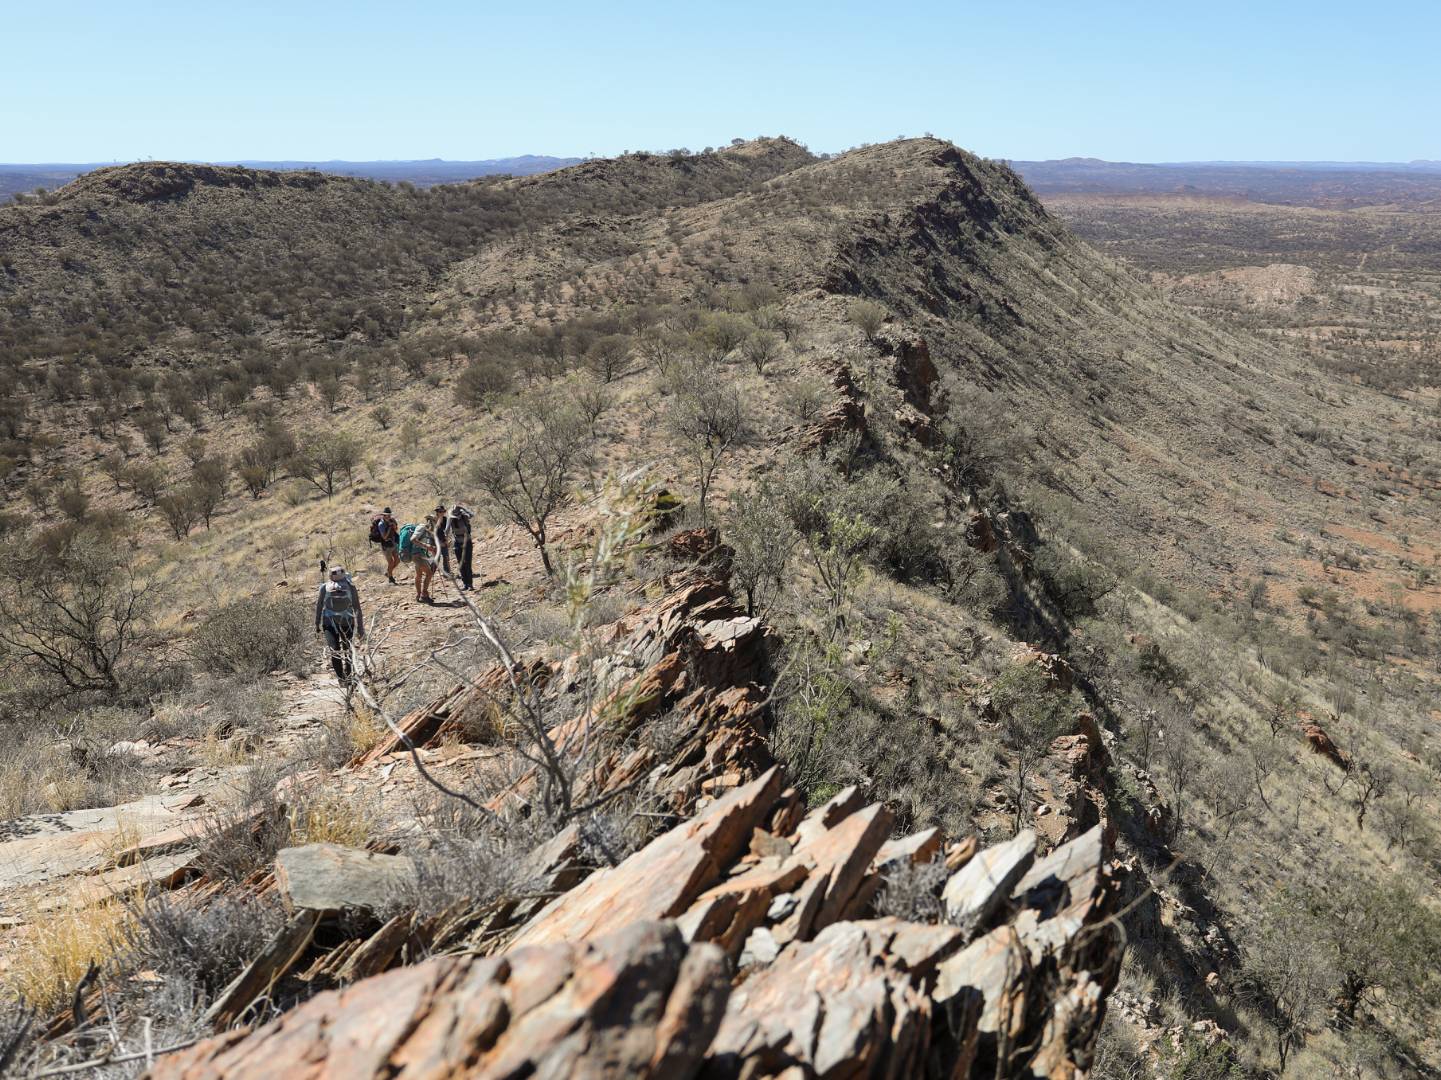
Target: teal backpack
{"x": 402, "y": 545}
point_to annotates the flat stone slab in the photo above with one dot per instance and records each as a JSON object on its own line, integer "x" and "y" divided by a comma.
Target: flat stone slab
{"x": 329, "y": 877}
{"x": 41, "y": 847}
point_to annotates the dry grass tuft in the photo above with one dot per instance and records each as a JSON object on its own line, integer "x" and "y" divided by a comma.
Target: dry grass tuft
{"x": 332, "y": 817}
{"x": 56, "y": 948}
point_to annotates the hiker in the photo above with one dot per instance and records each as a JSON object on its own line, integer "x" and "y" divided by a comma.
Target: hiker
{"x": 460, "y": 538}
{"x": 442, "y": 536}
{"x": 338, "y": 614}
{"x": 385, "y": 531}
{"x": 425, "y": 552}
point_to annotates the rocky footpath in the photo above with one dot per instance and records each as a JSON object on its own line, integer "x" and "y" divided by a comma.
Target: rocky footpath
{"x": 744, "y": 942}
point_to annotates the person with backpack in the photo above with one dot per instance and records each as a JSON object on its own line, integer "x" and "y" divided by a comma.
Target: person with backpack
{"x": 425, "y": 552}
{"x": 338, "y": 616}
{"x": 461, "y": 540}
{"x": 442, "y": 536}
{"x": 386, "y": 532}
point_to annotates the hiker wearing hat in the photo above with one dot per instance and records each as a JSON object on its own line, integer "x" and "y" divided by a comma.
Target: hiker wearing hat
{"x": 442, "y": 536}
{"x": 338, "y": 615}
{"x": 460, "y": 538}
{"x": 385, "y": 531}
{"x": 425, "y": 552}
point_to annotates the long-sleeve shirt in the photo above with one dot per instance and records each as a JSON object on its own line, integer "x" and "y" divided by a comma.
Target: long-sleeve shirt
{"x": 343, "y": 613}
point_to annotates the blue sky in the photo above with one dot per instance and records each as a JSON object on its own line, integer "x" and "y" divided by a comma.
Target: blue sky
{"x": 210, "y": 80}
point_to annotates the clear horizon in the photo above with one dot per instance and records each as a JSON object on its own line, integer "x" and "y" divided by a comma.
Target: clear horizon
{"x": 95, "y": 83}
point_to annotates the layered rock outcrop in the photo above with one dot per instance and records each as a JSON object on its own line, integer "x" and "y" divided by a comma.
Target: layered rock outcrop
{"x": 742, "y": 943}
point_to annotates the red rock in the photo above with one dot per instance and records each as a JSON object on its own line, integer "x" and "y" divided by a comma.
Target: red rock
{"x": 662, "y": 879}
{"x": 1321, "y": 744}
{"x": 639, "y": 1002}
{"x": 849, "y": 1003}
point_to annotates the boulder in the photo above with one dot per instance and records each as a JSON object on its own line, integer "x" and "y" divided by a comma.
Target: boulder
{"x": 846, "y": 415}
{"x": 1321, "y": 743}
{"x": 1071, "y": 783}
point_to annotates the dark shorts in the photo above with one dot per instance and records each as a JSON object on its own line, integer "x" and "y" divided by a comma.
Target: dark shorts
{"x": 387, "y": 545}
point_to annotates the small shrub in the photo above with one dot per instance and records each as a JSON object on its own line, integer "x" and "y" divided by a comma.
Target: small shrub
{"x": 913, "y": 891}
{"x": 867, "y": 316}
{"x": 253, "y": 636}
{"x": 803, "y": 398}
{"x": 240, "y": 841}
{"x": 331, "y": 817}
{"x": 202, "y": 948}
{"x": 484, "y": 378}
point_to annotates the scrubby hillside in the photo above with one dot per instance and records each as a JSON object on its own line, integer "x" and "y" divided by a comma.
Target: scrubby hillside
{"x": 864, "y": 466}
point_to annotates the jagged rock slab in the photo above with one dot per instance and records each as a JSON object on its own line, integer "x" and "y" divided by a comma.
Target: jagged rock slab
{"x": 1071, "y": 782}
{"x": 46, "y": 846}
{"x": 329, "y": 877}
{"x": 850, "y": 1003}
{"x": 1037, "y": 985}
{"x": 663, "y": 878}
{"x": 839, "y": 858}
{"x": 977, "y": 890}
{"x": 636, "y": 1003}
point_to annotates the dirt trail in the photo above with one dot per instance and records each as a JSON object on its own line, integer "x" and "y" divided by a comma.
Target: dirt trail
{"x": 79, "y": 856}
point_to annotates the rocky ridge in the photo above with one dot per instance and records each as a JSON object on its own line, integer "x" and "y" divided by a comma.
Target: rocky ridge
{"x": 746, "y": 940}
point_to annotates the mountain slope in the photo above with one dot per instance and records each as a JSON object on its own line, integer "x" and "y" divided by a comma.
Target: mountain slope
{"x": 1052, "y": 550}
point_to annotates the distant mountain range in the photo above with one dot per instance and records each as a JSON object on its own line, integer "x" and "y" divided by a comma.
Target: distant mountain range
{"x": 1339, "y": 184}
{"x": 1333, "y": 183}
{"x": 23, "y": 178}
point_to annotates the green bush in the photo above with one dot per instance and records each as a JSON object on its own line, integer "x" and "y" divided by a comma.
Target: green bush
{"x": 251, "y": 637}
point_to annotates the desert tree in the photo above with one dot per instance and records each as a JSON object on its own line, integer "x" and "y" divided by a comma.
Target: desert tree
{"x": 484, "y": 379}
{"x": 325, "y": 458}
{"x": 1380, "y": 934}
{"x": 210, "y": 483}
{"x": 608, "y": 356}
{"x": 803, "y": 397}
{"x": 763, "y": 540}
{"x": 760, "y": 348}
{"x": 147, "y": 479}
{"x": 837, "y": 521}
{"x": 659, "y": 348}
{"x": 195, "y": 449}
{"x": 528, "y": 474}
{"x": 1372, "y": 782}
{"x": 1033, "y": 713}
{"x": 592, "y": 397}
{"x": 1286, "y": 976}
{"x": 721, "y": 334}
{"x": 706, "y": 420}
{"x": 74, "y": 614}
{"x": 180, "y": 509}
{"x": 113, "y": 466}
{"x": 1181, "y": 761}
{"x": 70, "y": 498}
